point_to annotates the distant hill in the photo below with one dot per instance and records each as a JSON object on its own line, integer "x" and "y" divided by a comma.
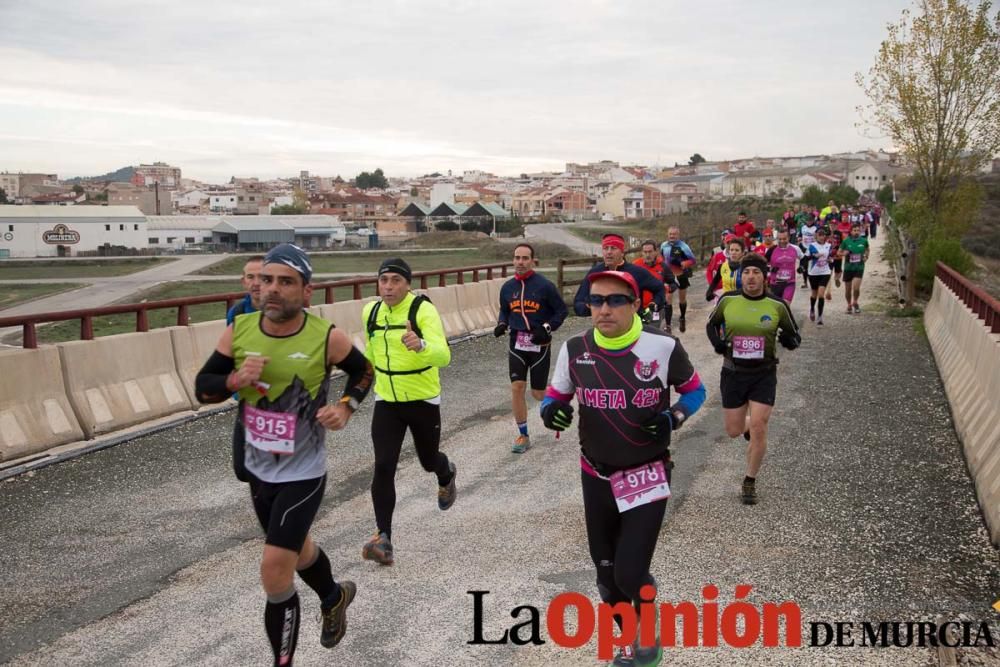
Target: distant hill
{"x": 984, "y": 236}
{"x": 123, "y": 175}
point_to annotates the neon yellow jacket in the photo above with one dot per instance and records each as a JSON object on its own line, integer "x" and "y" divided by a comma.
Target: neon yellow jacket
{"x": 400, "y": 374}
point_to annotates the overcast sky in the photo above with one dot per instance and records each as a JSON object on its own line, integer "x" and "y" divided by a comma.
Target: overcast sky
{"x": 222, "y": 88}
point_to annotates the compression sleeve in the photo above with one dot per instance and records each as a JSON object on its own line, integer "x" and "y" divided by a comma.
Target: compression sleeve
{"x": 359, "y": 374}
{"x": 210, "y": 383}
{"x": 692, "y": 396}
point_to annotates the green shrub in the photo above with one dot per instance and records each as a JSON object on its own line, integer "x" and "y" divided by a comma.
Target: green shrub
{"x": 949, "y": 251}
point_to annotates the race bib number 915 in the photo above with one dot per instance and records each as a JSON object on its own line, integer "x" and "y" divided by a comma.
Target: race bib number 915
{"x": 268, "y": 431}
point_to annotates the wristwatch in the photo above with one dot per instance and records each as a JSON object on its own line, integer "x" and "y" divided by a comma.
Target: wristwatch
{"x": 351, "y": 402}
{"x": 547, "y": 327}
{"x": 678, "y": 417}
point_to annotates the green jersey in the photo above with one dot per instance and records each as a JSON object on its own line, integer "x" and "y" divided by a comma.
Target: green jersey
{"x": 856, "y": 248}
{"x": 751, "y": 326}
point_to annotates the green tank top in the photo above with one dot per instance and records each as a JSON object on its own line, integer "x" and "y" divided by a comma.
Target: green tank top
{"x": 293, "y": 386}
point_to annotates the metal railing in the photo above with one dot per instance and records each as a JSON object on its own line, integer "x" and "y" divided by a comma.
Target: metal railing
{"x": 982, "y": 304}
{"x": 29, "y": 323}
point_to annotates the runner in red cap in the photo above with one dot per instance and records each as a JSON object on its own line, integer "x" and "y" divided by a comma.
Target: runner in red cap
{"x": 613, "y": 250}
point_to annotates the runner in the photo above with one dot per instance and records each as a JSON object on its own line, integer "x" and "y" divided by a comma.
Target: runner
{"x": 679, "y": 258}
{"x": 613, "y": 250}
{"x": 766, "y": 242}
{"x": 818, "y": 255}
{"x": 854, "y": 250}
{"x": 807, "y": 235}
{"x": 744, "y": 228}
{"x": 719, "y": 256}
{"x": 531, "y": 308}
{"x": 406, "y": 346}
{"x": 650, "y": 260}
{"x": 743, "y": 328}
{"x": 279, "y": 361}
{"x": 835, "y": 239}
{"x": 727, "y": 276}
{"x": 783, "y": 260}
{"x": 621, "y": 374}
{"x": 249, "y": 304}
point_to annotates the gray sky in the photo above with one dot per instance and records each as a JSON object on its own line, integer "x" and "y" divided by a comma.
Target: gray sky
{"x": 222, "y": 88}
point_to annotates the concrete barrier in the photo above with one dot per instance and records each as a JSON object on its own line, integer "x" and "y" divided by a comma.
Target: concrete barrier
{"x": 474, "y": 306}
{"x": 445, "y": 299}
{"x": 346, "y": 315}
{"x": 192, "y": 346}
{"x": 493, "y": 287}
{"x": 35, "y": 413}
{"x": 968, "y": 359}
{"x": 118, "y": 381}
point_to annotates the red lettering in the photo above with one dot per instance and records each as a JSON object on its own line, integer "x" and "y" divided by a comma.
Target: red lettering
{"x": 555, "y": 620}
{"x": 607, "y": 639}
{"x": 793, "y": 623}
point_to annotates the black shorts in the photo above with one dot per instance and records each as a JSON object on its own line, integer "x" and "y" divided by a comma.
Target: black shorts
{"x": 683, "y": 280}
{"x": 740, "y": 387}
{"x": 286, "y": 510}
{"x": 852, "y": 275}
{"x": 819, "y": 282}
{"x": 837, "y": 264}
{"x": 526, "y": 366}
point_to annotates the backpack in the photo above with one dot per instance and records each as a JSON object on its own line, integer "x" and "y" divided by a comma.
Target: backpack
{"x": 411, "y": 316}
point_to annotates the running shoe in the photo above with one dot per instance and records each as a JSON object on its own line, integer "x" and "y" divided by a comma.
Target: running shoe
{"x": 625, "y": 657}
{"x": 850, "y": 311}
{"x": 820, "y": 320}
{"x": 333, "y": 621}
{"x": 812, "y": 315}
{"x": 837, "y": 280}
{"x": 649, "y": 656}
{"x": 746, "y": 435}
{"x": 668, "y": 329}
{"x": 683, "y": 324}
{"x": 521, "y": 444}
{"x": 448, "y": 493}
{"x": 378, "y": 549}
{"x": 857, "y": 308}
{"x": 749, "y": 493}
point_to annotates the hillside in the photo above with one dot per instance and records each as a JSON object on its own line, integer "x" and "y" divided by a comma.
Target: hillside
{"x": 123, "y": 175}
{"x": 984, "y": 236}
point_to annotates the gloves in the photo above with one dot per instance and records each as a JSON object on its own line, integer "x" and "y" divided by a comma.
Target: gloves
{"x": 557, "y": 415}
{"x": 540, "y": 336}
{"x": 653, "y": 307}
{"x": 500, "y": 329}
{"x": 721, "y": 348}
{"x": 710, "y": 294}
{"x": 660, "y": 425}
{"x": 646, "y": 315}
{"x": 789, "y": 342}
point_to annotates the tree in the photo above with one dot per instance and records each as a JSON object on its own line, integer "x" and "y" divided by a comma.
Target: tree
{"x": 3, "y": 196}
{"x": 935, "y": 89}
{"x": 694, "y": 159}
{"x": 289, "y": 209}
{"x": 842, "y": 194}
{"x": 376, "y": 179}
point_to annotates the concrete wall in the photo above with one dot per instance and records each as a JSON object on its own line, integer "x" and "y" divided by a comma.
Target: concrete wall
{"x": 968, "y": 359}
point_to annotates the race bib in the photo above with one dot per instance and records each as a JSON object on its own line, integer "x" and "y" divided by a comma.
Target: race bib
{"x": 656, "y": 316}
{"x": 821, "y": 263}
{"x": 524, "y": 343}
{"x": 639, "y": 486}
{"x": 268, "y": 431}
{"x": 784, "y": 275}
{"x": 854, "y": 258}
{"x": 748, "y": 347}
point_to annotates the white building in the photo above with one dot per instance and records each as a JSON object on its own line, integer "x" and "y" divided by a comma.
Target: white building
{"x": 65, "y": 231}
{"x": 189, "y": 198}
{"x": 176, "y": 232}
{"x": 442, "y": 193}
{"x": 222, "y": 202}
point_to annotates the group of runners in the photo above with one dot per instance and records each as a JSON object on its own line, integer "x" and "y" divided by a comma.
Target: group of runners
{"x": 632, "y": 380}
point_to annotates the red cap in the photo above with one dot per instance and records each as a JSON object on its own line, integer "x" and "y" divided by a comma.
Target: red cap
{"x": 617, "y": 275}
{"x": 613, "y": 240}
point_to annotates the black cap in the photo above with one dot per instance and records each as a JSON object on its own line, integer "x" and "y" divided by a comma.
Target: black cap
{"x": 396, "y": 265}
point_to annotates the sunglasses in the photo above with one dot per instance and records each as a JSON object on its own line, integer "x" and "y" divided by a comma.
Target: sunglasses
{"x": 613, "y": 300}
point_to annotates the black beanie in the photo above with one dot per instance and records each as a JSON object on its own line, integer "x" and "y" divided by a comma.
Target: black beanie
{"x": 754, "y": 259}
{"x": 396, "y": 265}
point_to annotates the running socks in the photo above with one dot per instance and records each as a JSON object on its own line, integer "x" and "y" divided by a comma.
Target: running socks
{"x": 668, "y": 313}
{"x": 281, "y": 620}
{"x": 684, "y": 310}
{"x": 319, "y": 577}
{"x": 523, "y": 428}
{"x": 821, "y": 302}
{"x": 812, "y": 304}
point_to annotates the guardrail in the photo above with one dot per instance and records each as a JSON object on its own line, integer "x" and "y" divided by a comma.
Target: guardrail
{"x": 701, "y": 249}
{"x": 972, "y": 295}
{"x": 29, "y": 323}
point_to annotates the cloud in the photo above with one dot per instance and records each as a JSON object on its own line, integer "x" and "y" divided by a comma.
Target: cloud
{"x": 422, "y": 86}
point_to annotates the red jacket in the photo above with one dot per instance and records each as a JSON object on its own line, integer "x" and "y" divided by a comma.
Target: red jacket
{"x": 713, "y": 264}
{"x": 657, "y": 270}
{"x": 743, "y": 230}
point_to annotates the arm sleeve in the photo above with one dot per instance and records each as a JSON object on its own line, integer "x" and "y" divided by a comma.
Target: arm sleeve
{"x": 715, "y": 320}
{"x": 359, "y": 374}
{"x": 649, "y": 283}
{"x": 682, "y": 376}
{"x": 504, "y": 316}
{"x": 210, "y": 383}
{"x": 559, "y": 310}
{"x": 436, "y": 351}
{"x": 561, "y": 385}
{"x": 580, "y": 300}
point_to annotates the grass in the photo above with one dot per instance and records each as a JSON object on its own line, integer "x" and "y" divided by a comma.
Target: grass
{"x": 14, "y": 294}
{"x": 485, "y": 252}
{"x": 82, "y": 268}
{"x": 911, "y": 311}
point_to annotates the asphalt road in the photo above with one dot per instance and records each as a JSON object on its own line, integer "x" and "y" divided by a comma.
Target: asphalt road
{"x": 147, "y": 553}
